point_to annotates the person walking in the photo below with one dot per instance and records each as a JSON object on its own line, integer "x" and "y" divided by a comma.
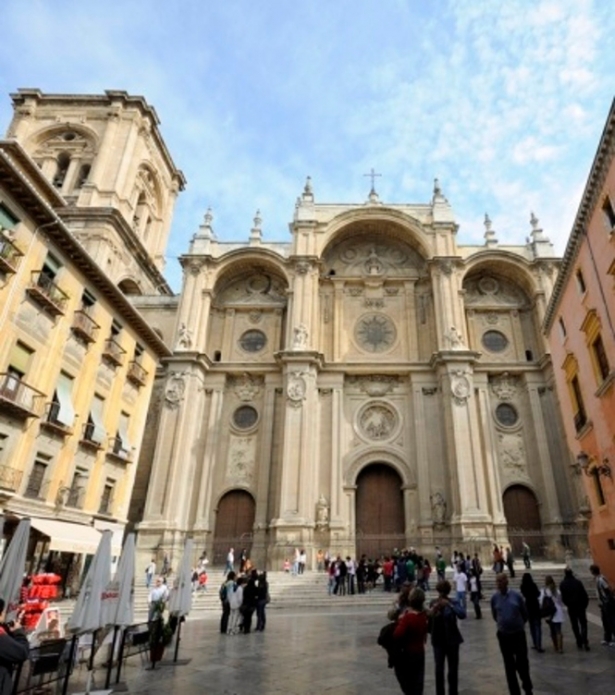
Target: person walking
{"x": 606, "y": 599}
{"x": 475, "y": 595}
{"x": 445, "y": 637}
{"x": 510, "y": 614}
{"x": 150, "y": 571}
{"x": 262, "y": 599}
{"x": 555, "y": 619}
{"x": 411, "y": 634}
{"x": 461, "y": 584}
{"x": 510, "y": 562}
{"x": 156, "y": 598}
{"x": 575, "y": 598}
{"x": 525, "y": 554}
{"x": 531, "y": 594}
{"x": 230, "y": 562}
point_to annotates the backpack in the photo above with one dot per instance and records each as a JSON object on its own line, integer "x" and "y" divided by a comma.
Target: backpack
{"x": 222, "y": 593}
{"x": 547, "y": 607}
{"x": 388, "y": 642}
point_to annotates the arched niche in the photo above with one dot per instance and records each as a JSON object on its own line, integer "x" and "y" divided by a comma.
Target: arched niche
{"x": 234, "y": 523}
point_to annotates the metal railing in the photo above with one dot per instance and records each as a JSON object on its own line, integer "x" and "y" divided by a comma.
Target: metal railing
{"x": 47, "y": 293}
{"x": 136, "y": 373}
{"x": 20, "y": 397}
{"x": 10, "y": 255}
{"x": 113, "y": 352}
{"x": 117, "y": 449}
{"x": 84, "y": 326}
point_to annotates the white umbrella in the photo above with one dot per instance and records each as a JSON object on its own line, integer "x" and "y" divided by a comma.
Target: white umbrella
{"x": 118, "y": 597}
{"x": 12, "y": 568}
{"x": 180, "y": 602}
{"x": 87, "y": 614}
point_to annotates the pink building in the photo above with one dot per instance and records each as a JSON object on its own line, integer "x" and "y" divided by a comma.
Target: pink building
{"x": 580, "y": 327}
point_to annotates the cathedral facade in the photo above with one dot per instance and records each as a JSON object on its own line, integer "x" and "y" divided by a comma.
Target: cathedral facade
{"x": 369, "y": 385}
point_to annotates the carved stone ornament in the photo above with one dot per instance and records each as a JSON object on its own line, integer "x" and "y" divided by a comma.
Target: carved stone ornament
{"x": 454, "y": 338}
{"x": 492, "y": 318}
{"x": 375, "y": 384}
{"x": 302, "y": 267}
{"x": 300, "y": 337}
{"x": 512, "y": 453}
{"x": 246, "y": 387}
{"x": 505, "y": 387}
{"x": 378, "y": 422}
{"x": 438, "y": 509}
{"x": 174, "y": 390}
{"x": 184, "y": 338}
{"x": 460, "y": 388}
{"x": 255, "y": 316}
{"x": 296, "y": 389}
{"x": 241, "y": 460}
{"x": 322, "y": 513}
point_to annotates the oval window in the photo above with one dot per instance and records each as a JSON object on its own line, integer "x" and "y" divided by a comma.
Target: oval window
{"x": 253, "y": 341}
{"x": 506, "y": 415}
{"x": 495, "y": 341}
{"x": 245, "y": 417}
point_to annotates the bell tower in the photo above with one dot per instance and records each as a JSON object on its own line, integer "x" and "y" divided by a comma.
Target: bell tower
{"x": 106, "y": 156}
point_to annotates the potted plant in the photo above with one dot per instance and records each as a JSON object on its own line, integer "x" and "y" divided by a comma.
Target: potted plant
{"x": 160, "y": 631}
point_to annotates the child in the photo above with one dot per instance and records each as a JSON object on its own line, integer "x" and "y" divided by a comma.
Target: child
{"x": 203, "y": 581}
{"x": 286, "y": 565}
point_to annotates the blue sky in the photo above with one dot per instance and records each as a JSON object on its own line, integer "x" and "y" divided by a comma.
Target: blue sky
{"x": 503, "y": 101}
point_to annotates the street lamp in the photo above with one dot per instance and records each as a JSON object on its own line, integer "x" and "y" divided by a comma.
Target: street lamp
{"x": 588, "y": 467}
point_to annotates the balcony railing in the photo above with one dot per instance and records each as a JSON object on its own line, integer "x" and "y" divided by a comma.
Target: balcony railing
{"x": 87, "y": 437}
{"x": 44, "y": 291}
{"x": 10, "y": 478}
{"x": 113, "y": 352}
{"x": 117, "y": 450}
{"x": 52, "y": 423}
{"x": 18, "y": 398}
{"x": 84, "y": 326}
{"x": 136, "y": 373}
{"x": 10, "y": 255}
{"x": 75, "y": 497}
{"x": 106, "y": 505}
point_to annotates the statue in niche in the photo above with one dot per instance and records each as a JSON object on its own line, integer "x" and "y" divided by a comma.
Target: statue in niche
{"x": 300, "y": 337}
{"x": 455, "y": 339}
{"x": 438, "y": 508}
{"x": 184, "y": 337}
{"x": 322, "y": 513}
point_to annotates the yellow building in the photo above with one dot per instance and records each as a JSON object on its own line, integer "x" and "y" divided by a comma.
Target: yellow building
{"x": 80, "y": 230}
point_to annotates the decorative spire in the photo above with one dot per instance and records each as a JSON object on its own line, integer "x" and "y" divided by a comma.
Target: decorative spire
{"x": 490, "y": 237}
{"x": 436, "y": 187}
{"x": 373, "y": 196}
{"x": 308, "y": 193}
{"x": 256, "y": 233}
{"x": 206, "y": 230}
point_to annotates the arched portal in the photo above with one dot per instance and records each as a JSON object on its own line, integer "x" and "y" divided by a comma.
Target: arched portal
{"x": 379, "y": 516}
{"x": 234, "y": 522}
{"x": 523, "y": 519}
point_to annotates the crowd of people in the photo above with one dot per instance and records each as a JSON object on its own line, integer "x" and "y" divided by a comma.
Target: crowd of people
{"x": 412, "y": 621}
{"x": 242, "y": 596}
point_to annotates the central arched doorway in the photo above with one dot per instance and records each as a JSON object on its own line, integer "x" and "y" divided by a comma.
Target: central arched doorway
{"x": 523, "y": 520}
{"x": 380, "y": 525}
{"x": 234, "y": 523}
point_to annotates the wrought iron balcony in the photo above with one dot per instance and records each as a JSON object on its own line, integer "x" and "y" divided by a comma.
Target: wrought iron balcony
{"x": 136, "y": 373}
{"x": 87, "y": 439}
{"x": 18, "y": 398}
{"x": 44, "y": 291}
{"x": 106, "y": 505}
{"x": 116, "y": 450}
{"x": 75, "y": 497}
{"x": 84, "y": 326}
{"x": 113, "y": 352}
{"x": 10, "y": 255}
{"x": 10, "y": 478}
{"x": 52, "y": 423}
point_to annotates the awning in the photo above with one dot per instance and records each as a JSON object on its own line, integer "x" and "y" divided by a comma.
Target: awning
{"x": 66, "y": 537}
{"x": 116, "y": 539}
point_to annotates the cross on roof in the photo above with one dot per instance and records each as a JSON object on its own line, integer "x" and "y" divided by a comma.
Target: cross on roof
{"x": 372, "y": 174}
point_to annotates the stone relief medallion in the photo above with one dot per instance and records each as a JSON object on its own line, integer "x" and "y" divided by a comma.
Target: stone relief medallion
{"x": 512, "y": 453}
{"x": 505, "y": 386}
{"x": 460, "y": 388}
{"x": 240, "y": 462}
{"x": 488, "y": 285}
{"x": 378, "y": 421}
{"x": 492, "y": 318}
{"x": 246, "y": 387}
{"x": 296, "y": 389}
{"x": 375, "y": 332}
{"x": 255, "y": 316}
{"x": 174, "y": 390}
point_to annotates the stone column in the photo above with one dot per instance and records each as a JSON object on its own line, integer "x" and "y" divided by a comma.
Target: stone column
{"x": 105, "y": 151}
{"x": 411, "y": 319}
{"x": 337, "y": 448}
{"x": 127, "y": 159}
{"x": 338, "y": 319}
{"x": 191, "y": 305}
{"x": 421, "y": 454}
{"x": 551, "y": 513}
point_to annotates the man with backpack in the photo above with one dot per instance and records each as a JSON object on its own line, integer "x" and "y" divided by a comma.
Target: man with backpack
{"x": 606, "y": 599}
{"x": 223, "y": 593}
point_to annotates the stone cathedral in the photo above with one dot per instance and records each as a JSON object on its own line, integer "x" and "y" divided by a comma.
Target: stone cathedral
{"x": 369, "y": 384}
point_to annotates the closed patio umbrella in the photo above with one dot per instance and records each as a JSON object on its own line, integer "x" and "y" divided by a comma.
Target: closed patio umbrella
{"x": 180, "y": 602}
{"x": 118, "y": 597}
{"x": 12, "y": 568}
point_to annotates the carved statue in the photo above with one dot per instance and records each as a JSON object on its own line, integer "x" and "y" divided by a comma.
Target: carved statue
{"x": 455, "y": 339}
{"x": 185, "y": 337}
{"x": 300, "y": 337}
{"x": 438, "y": 508}
{"x": 322, "y": 513}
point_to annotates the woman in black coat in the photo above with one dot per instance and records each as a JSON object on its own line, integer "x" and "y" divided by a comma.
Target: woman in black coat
{"x": 531, "y": 594}
{"x": 13, "y": 650}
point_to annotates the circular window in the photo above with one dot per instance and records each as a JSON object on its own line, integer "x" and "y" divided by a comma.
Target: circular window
{"x": 253, "y": 341}
{"x": 68, "y": 136}
{"x": 245, "y": 417}
{"x": 375, "y": 332}
{"x": 495, "y": 341}
{"x": 506, "y": 415}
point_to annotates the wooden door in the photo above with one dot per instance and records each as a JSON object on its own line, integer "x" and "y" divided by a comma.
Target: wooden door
{"x": 523, "y": 519}
{"x": 379, "y": 511}
{"x": 234, "y": 522}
